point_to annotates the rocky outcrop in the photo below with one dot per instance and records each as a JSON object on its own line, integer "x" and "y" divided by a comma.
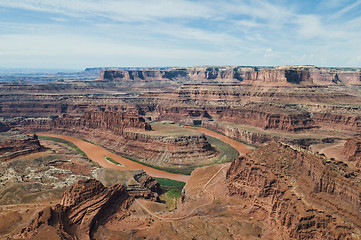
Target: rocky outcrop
{"x": 345, "y": 121}
{"x": 352, "y": 151}
{"x": 265, "y": 118}
{"x": 278, "y": 76}
{"x": 169, "y": 150}
{"x": 306, "y": 195}
{"x": 141, "y": 75}
{"x": 113, "y": 121}
{"x": 258, "y": 137}
{"x": 305, "y": 75}
{"x": 82, "y": 209}
{"x": 143, "y": 186}
{"x": 14, "y": 143}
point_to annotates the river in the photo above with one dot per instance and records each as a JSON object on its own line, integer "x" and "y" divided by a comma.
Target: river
{"x": 98, "y": 154}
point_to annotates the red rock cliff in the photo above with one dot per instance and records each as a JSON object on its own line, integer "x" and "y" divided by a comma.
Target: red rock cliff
{"x": 352, "y": 150}
{"x": 14, "y": 143}
{"x": 87, "y": 205}
{"x": 306, "y": 195}
{"x": 113, "y": 121}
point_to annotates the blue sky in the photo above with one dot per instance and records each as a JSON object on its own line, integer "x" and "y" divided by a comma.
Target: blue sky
{"x": 89, "y": 33}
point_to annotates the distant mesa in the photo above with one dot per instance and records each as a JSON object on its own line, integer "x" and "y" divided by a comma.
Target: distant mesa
{"x": 250, "y": 75}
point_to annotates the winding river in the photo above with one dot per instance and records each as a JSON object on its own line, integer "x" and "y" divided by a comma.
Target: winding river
{"x": 98, "y": 154}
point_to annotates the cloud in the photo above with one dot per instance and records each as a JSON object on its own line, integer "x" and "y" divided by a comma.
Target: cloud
{"x": 345, "y": 10}
{"x": 182, "y": 32}
{"x": 137, "y": 10}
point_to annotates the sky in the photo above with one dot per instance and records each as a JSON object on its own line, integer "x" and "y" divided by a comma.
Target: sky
{"x": 76, "y": 34}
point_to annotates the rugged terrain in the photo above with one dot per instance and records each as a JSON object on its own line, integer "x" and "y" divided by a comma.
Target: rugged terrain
{"x": 14, "y": 143}
{"x": 255, "y": 104}
{"x": 302, "y": 182}
{"x": 306, "y": 195}
{"x": 277, "y": 191}
{"x": 352, "y": 151}
{"x": 84, "y": 207}
{"x": 129, "y": 134}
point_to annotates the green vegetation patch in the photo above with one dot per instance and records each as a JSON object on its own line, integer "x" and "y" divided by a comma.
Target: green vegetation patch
{"x": 166, "y": 183}
{"x": 171, "y": 198}
{"x": 113, "y": 161}
{"x": 88, "y": 141}
{"x": 173, "y": 192}
{"x": 228, "y": 153}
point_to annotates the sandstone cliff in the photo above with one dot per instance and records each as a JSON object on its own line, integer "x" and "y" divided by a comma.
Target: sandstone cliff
{"x": 352, "y": 151}
{"x": 116, "y": 122}
{"x": 180, "y": 74}
{"x": 345, "y": 121}
{"x": 305, "y": 195}
{"x": 14, "y": 143}
{"x": 283, "y": 75}
{"x": 82, "y": 209}
{"x": 264, "y": 118}
{"x": 259, "y": 137}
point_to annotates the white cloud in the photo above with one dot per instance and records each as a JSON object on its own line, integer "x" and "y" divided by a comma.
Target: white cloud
{"x": 137, "y": 10}
{"x": 345, "y": 10}
{"x": 178, "y": 31}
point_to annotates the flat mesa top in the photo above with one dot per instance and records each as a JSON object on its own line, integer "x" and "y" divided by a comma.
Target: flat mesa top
{"x": 169, "y": 129}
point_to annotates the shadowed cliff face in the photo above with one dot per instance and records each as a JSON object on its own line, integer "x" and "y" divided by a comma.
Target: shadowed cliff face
{"x": 306, "y": 195}
{"x": 4, "y": 127}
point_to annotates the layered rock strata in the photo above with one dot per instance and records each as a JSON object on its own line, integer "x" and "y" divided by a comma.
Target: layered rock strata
{"x": 307, "y": 196}
{"x": 128, "y": 135}
{"x": 115, "y": 122}
{"x": 14, "y": 143}
{"x": 352, "y": 151}
{"x": 258, "y": 137}
{"x": 185, "y": 74}
{"x": 282, "y": 75}
{"x": 143, "y": 186}
{"x": 82, "y": 209}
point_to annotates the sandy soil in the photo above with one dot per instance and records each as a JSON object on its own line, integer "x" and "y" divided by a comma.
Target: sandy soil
{"x": 331, "y": 150}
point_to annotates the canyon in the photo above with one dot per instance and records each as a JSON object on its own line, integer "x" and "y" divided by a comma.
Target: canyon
{"x": 131, "y": 135}
{"x": 299, "y": 179}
